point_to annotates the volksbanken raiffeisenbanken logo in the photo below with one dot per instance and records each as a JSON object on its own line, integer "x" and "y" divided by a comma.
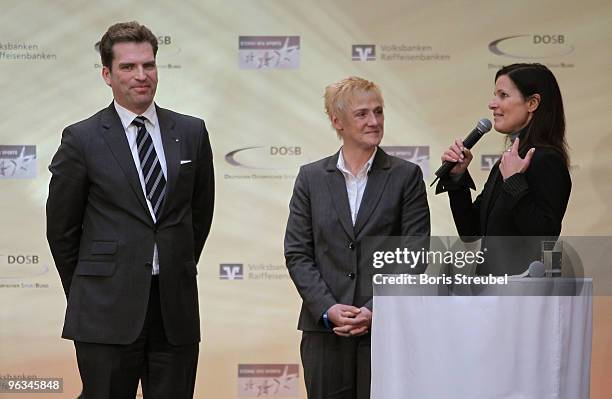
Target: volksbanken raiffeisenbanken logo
{"x": 488, "y": 160}
{"x": 364, "y": 52}
{"x": 231, "y": 271}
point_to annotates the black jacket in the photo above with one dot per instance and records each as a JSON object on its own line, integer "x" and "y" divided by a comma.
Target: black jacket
{"x": 529, "y": 204}
{"x": 102, "y": 235}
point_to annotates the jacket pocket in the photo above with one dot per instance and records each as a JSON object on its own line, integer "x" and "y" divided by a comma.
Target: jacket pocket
{"x": 101, "y": 269}
{"x": 191, "y": 269}
{"x": 103, "y": 247}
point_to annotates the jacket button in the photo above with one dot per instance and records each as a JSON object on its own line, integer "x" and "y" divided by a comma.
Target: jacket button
{"x": 351, "y": 275}
{"x": 351, "y": 245}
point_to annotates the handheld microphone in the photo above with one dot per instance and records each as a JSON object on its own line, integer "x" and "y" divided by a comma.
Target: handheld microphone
{"x": 535, "y": 269}
{"x": 482, "y": 127}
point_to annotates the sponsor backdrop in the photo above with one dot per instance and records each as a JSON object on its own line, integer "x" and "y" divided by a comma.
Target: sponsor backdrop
{"x": 255, "y": 71}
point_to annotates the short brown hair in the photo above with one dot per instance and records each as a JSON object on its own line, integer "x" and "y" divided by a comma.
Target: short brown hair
{"x": 338, "y": 95}
{"x": 124, "y": 32}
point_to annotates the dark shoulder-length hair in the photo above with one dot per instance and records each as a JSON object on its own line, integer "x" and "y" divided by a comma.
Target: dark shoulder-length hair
{"x": 547, "y": 126}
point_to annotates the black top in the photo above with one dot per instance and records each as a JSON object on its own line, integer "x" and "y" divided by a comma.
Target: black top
{"x": 526, "y": 204}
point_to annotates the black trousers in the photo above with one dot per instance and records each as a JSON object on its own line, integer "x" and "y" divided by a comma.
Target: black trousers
{"x": 336, "y": 367}
{"x": 165, "y": 371}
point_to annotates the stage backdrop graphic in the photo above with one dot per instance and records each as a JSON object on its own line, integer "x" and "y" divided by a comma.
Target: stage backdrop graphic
{"x": 255, "y": 71}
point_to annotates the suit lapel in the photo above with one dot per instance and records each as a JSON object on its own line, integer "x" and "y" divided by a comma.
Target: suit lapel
{"x": 171, "y": 143}
{"x": 114, "y": 135}
{"x": 337, "y": 189}
{"x": 377, "y": 179}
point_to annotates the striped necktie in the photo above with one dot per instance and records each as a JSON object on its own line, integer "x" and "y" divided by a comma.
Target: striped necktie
{"x": 155, "y": 182}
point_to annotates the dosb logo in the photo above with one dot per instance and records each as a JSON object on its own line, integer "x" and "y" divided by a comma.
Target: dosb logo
{"x": 161, "y": 41}
{"x": 22, "y": 259}
{"x": 164, "y": 40}
{"x": 231, "y": 271}
{"x": 548, "y": 39}
{"x": 15, "y": 266}
{"x": 531, "y": 46}
{"x": 267, "y": 157}
{"x": 364, "y": 52}
{"x": 274, "y": 150}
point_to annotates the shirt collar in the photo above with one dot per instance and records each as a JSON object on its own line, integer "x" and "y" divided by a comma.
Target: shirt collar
{"x": 513, "y": 136}
{"x": 520, "y": 134}
{"x": 341, "y": 165}
{"x": 127, "y": 116}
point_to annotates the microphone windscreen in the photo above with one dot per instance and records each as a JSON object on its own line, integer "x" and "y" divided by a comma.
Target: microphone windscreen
{"x": 484, "y": 125}
{"x": 536, "y": 269}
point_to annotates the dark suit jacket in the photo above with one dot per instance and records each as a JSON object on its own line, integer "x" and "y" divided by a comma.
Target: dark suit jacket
{"x": 321, "y": 244}
{"x": 102, "y": 235}
{"x": 530, "y": 204}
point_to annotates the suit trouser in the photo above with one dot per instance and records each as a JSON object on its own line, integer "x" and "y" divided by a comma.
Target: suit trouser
{"x": 113, "y": 371}
{"x": 336, "y": 367}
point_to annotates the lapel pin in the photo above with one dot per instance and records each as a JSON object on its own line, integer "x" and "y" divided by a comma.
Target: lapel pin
{"x": 177, "y": 139}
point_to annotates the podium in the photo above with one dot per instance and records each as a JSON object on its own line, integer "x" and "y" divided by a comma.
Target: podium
{"x": 484, "y": 347}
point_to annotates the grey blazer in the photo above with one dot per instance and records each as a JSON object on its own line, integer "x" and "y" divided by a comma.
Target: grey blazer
{"x": 322, "y": 245}
{"x": 102, "y": 235}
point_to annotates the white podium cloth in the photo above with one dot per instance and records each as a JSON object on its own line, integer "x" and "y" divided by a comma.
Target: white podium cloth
{"x": 485, "y": 347}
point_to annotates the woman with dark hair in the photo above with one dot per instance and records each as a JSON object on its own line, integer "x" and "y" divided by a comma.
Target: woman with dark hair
{"x": 527, "y": 191}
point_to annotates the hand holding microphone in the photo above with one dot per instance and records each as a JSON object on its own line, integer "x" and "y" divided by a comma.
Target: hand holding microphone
{"x": 459, "y": 155}
{"x": 457, "y": 158}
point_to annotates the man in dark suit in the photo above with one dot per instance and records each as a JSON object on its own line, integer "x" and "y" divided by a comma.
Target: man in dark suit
{"x": 130, "y": 206}
{"x": 337, "y": 202}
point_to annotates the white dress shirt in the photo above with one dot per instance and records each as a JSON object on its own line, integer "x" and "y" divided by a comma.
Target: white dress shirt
{"x": 355, "y": 185}
{"x": 131, "y": 131}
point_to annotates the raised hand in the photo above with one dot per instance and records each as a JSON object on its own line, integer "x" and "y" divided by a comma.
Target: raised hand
{"x": 511, "y": 162}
